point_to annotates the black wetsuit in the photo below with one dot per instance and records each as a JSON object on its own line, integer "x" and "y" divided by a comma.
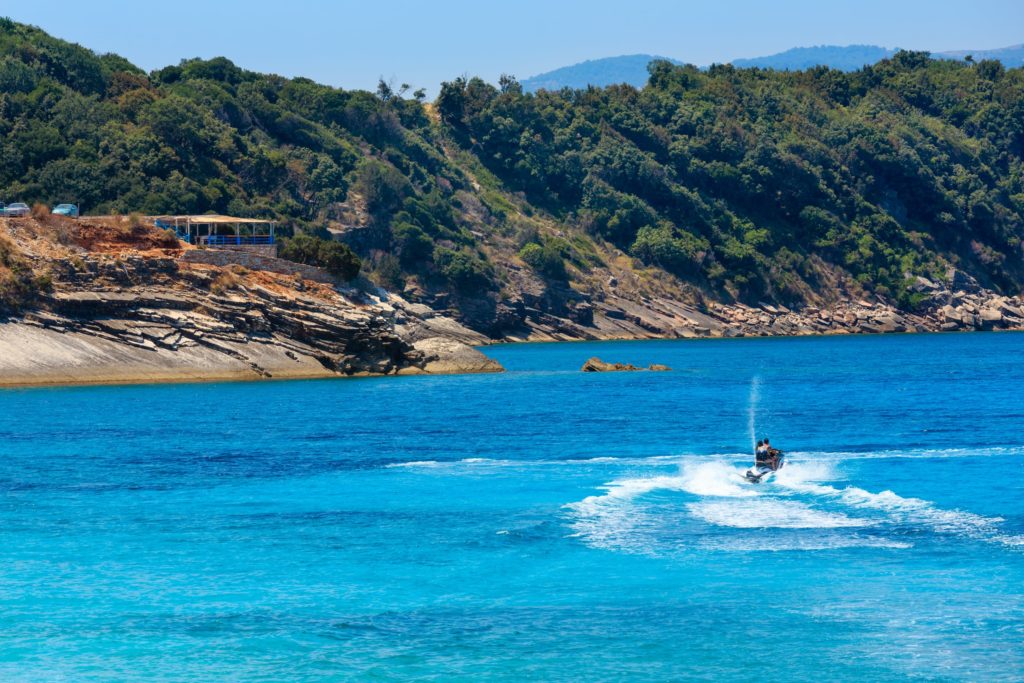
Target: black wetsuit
{"x": 761, "y": 457}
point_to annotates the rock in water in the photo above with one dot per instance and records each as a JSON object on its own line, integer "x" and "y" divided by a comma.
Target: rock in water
{"x": 658, "y": 367}
{"x": 443, "y": 356}
{"x": 595, "y": 364}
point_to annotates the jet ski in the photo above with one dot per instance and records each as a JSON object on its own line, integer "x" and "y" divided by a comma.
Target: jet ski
{"x": 762, "y": 471}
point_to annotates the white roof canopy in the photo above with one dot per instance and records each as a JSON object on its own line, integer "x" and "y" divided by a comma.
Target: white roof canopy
{"x": 215, "y": 219}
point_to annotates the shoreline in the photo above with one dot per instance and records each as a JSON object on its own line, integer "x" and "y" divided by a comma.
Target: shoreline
{"x": 213, "y": 378}
{"x": 186, "y": 377}
{"x": 748, "y": 337}
{"x": 32, "y": 356}
{"x": 195, "y": 375}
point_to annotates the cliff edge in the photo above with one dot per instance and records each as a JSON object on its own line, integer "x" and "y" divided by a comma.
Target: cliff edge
{"x": 100, "y": 302}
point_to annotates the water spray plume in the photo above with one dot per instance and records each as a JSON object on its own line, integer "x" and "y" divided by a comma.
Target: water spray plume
{"x": 755, "y": 399}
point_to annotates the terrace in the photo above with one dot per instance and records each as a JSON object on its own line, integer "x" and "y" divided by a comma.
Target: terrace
{"x": 227, "y": 232}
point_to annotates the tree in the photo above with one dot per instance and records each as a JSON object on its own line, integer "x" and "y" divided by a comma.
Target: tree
{"x": 451, "y": 102}
{"x": 507, "y": 83}
{"x": 547, "y": 259}
{"x": 334, "y": 257}
{"x": 659, "y": 246}
{"x": 465, "y": 271}
{"x": 382, "y": 186}
{"x": 413, "y": 245}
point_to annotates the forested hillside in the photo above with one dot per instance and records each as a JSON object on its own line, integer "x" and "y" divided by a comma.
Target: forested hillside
{"x": 728, "y": 183}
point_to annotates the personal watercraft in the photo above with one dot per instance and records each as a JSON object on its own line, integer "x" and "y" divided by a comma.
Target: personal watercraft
{"x": 762, "y": 470}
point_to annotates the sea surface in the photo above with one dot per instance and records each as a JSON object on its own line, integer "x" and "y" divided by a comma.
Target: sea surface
{"x": 542, "y": 524}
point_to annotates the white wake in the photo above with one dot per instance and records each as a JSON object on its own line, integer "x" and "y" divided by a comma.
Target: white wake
{"x": 625, "y": 517}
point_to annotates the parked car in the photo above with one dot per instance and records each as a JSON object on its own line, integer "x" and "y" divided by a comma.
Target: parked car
{"x": 69, "y": 210}
{"x": 17, "y": 209}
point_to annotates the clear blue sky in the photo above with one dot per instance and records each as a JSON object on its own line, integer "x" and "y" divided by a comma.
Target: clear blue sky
{"x": 351, "y": 44}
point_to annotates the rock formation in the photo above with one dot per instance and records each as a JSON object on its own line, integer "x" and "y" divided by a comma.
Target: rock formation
{"x": 442, "y": 356}
{"x": 131, "y": 315}
{"x": 595, "y": 364}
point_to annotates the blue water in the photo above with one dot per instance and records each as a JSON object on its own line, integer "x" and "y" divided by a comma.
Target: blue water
{"x": 542, "y": 524}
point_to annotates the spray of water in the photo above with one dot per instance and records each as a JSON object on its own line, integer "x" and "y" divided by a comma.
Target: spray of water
{"x": 752, "y": 404}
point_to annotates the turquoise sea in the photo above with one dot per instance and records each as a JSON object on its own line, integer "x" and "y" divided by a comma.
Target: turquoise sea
{"x": 543, "y": 524}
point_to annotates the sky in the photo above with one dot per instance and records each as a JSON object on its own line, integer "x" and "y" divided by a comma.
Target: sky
{"x": 353, "y": 44}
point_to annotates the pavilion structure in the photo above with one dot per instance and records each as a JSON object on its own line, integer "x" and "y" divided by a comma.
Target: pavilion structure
{"x": 220, "y": 231}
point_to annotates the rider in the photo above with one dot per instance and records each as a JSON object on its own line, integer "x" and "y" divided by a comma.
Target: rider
{"x": 760, "y": 454}
{"x": 771, "y": 455}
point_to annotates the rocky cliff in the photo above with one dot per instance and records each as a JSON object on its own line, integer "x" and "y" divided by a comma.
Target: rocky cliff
{"x": 639, "y": 310}
{"x": 115, "y": 304}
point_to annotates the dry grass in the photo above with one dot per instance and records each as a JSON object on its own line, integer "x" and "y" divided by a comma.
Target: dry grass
{"x": 225, "y": 282}
{"x": 169, "y": 239}
{"x": 126, "y": 226}
{"x": 61, "y": 230}
{"x": 41, "y": 212}
{"x": 18, "y": 283}
{"x": 120, "y": 224}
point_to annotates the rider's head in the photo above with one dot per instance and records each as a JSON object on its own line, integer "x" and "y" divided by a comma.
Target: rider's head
{"x": 766, "y": 441}
{"x": 760, "y": 443}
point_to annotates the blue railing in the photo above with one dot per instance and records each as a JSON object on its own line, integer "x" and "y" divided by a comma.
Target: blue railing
{"x": 215, "y": 240}
{"x": 180, "y": 230}
{"x": 229, "y": 240}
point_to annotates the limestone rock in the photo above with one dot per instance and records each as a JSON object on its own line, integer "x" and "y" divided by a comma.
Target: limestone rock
{"x": 595, "y": 364}
{"x": 959, "y": 281}
{"x": 449, "y": 357}
{"x": 1006, "y": 308}
{"x": 990, "y": 318}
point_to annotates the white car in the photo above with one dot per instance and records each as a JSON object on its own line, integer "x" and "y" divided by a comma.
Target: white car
{"x": 17, "y": 209}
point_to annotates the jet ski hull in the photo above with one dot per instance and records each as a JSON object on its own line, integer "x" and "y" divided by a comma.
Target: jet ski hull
{"x": 762, "y": 472}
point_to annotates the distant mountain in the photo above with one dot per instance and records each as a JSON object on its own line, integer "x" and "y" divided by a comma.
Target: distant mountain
{"x": 631, "y": 69}
{"x": 1011, "y": 57}
{"x": 844, "y": 58}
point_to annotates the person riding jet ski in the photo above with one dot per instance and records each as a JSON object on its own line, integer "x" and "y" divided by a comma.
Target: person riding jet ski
{"x": 767, "y": 459}
{"x": 760, "y": 453}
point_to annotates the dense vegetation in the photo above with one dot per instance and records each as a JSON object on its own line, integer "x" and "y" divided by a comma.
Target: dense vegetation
{"x": 745, "y": 182}
{"x": 748, "y": 180}
{"x": 334, "y": 257}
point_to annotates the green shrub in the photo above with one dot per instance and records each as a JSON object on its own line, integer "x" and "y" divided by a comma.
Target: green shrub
{"x": 413, "y": 245}
{"x": 334, "y": 257}
{"x": 383, "y": 187}
{"x": 388, "y": 272}
{"x": 464, "y": 270}
{"x": 661, "y": 247}
{"x": 547, "y": 259}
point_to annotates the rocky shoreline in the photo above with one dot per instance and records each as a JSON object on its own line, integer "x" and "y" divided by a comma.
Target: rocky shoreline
{"x": 129, "y": 316}
{"x": 958, "y": 303}
{"x": 135, "y": 313}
